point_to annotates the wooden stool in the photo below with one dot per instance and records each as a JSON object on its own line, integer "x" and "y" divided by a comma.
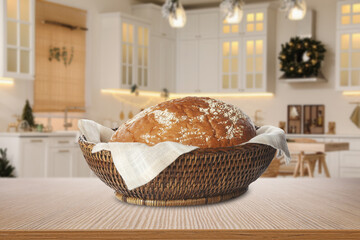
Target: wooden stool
{"x": 308, "y": 162}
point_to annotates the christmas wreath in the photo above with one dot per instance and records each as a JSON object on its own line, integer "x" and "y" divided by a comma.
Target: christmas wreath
{"x": 301, "y": 57}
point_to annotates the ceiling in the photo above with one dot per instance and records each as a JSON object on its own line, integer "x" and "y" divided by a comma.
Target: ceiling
{"x": 198, "y": 3}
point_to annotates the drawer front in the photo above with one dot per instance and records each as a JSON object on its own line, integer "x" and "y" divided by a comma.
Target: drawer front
{"x": 354, "y": 143}
{"x": 350, "y": 172}
{"x": 350, "y": 159}
{"x": 62, "y": 142}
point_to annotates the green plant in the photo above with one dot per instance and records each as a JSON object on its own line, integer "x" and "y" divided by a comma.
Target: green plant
{"x": 27, "y": 114}
{"x": 6, "y": 169}
{"x": 58, "y": 54}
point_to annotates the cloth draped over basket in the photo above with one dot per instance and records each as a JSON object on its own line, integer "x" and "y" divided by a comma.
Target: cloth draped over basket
{"x": 138, "y": 163}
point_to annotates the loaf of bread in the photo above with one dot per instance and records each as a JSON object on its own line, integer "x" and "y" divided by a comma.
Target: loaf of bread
{"x": 195, "y": 121}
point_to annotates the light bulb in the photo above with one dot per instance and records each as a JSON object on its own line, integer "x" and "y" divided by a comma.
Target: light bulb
{"x": 298, "y": 11}
{"x": 178, "y": 19}
{"x": 235, "y": 16}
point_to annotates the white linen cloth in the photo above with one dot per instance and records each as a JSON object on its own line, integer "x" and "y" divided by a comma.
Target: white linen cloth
{"x": 138, "y": 163}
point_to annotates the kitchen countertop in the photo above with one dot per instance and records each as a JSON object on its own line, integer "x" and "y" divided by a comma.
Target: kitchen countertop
{"x": 40, "y": 134}
{"x": 86, "y": 208}
{"x": 323, "y": 135}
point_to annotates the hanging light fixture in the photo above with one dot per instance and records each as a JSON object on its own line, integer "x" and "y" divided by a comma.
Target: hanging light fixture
{"x": 232, "y": 10}
{"x": 295, "y": 9}
{"x": 174, "y": 11}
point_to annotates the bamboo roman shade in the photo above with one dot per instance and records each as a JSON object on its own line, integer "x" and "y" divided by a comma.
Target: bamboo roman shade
{"x": 59, "y": 82}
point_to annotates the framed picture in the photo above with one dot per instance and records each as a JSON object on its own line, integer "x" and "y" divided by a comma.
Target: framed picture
{"x": 314, "y": 119}
{"x": 294, "y": 118}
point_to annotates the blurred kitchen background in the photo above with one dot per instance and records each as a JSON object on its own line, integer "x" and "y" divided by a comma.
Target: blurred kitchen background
{"x": 106, "y": 60}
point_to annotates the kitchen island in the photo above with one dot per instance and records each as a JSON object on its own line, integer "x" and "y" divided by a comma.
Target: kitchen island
{"x": 85, "y": 208}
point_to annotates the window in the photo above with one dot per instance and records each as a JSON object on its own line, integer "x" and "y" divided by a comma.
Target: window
{"x": 59, "y": 83}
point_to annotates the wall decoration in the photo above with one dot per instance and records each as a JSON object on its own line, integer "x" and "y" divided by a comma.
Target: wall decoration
{"x": 294, "y": 119}
{"x": 14, "y": 125}
{"x": 282, "y": 125}
{"x": 301, "y": 57}
{"x": 355, "y": 116}
{"x": 314, "y": 119}
{"x": 332, "y": 128}
{"x": 61, "y": 54}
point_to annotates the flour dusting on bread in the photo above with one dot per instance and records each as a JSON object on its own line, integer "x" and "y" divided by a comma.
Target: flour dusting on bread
{"x": 202, "y": 122}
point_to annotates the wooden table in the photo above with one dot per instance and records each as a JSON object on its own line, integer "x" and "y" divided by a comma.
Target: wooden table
{"x": 315, "y": 147}
{"x": 273, "y": 208}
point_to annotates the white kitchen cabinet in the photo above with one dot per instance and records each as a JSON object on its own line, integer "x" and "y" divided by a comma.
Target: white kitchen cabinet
{"x": 254, "y": 75}
{"x": 167, "y": 62}
{"x": 17, "y": 39}
{"x": 200, "y": 24}
{"x": 230, "y": 29}
{"x": 254, "y": 20}
{"x": 33, "y": 157}
{"x": 247, "y": 60}
{"x": 197, "y": 53}
{"x": 350, "y": 160}
{"x": 125, "y": 43}
{"x": 348, "y": 45}
{"x": 80, "y": 168}
{"x": 162, "y": 48}
{"x": 59, "y": 163}
{"x": 231, "y": 62}
{"x": 160, "y": 26}
{"x": 197, "y": 66}
{"x": 187, "y": 66}
{"x": 44, "y": 155}
{"x": 208, "y": 50}
{"x": 348, "y": 14}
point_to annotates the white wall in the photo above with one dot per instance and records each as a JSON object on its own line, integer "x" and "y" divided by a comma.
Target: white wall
{"x": 106, "y": 108}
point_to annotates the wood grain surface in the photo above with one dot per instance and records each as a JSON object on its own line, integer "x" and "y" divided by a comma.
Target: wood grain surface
{"x": 277, "y": 208}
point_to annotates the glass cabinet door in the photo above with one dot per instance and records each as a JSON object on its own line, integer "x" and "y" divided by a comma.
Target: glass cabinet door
{"x": 127, "y": 49}
{"x": 254, "y": 22}
{"x": 349, "y": 59}
{"x": 254, "y": 78}
{"x": 230, "y": 57}
{"x": 349, "y": 13}
{"x": 19, "y": 29}
{"x": 143, "y": 56}
{"x": 229, "y": 29}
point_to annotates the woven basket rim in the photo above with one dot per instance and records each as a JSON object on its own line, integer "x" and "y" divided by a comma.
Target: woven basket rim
{"x": 197, "y": 150}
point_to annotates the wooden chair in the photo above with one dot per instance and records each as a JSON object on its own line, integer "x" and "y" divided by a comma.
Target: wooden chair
{"x": 306, "y": 162}
{"x": 288, "y": 169}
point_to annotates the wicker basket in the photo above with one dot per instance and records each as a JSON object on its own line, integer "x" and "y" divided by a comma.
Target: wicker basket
{"x": 201, "y": 176}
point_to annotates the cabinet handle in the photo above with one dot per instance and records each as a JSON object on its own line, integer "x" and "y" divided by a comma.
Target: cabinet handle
{"x": 63, "y": 142}
{"x": 63, "y": 151}
{"x": 36, "y": 141}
